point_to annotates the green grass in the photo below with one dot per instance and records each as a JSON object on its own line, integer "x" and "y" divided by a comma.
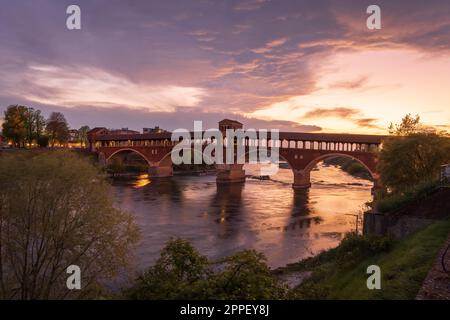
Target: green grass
{"x": 403, "y": 268}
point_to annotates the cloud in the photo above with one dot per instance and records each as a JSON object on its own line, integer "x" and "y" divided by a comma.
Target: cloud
{"x": 350, "y": 114}
{"x": 367, "y": 123}
{"x": 340, "y": 112}
{"x": 270, "y": 46}
{"x": 242, "y": 56}
{"x": 181, "y": 117}
{"x": 424, "y": 28}
{"x": 350, "y": 84}
{"x": 249, "y": 5}
{"x": 73, "y": 86}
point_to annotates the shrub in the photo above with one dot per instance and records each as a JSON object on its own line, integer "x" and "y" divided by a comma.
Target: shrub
{"x": 182, "y": 272}
{"x": 398, "y": 200}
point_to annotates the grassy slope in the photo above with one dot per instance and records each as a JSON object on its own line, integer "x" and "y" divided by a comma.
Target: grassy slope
{"x": 403, "y": 268}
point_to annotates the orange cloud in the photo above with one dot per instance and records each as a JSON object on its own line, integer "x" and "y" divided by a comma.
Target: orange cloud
{"x": 340, "y": 112}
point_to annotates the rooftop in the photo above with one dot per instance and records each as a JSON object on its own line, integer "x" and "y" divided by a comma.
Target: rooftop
{"x": 298, "y": 136}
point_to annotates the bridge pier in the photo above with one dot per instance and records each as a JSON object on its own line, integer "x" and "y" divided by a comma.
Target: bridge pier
{"x": 230, "y": 173}
{"x": 160, "y": 172}
{"x": 302, "y": 179}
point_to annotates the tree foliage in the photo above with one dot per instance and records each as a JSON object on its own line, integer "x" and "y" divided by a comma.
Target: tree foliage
{"x": 14, "y": 125}
{"x": 179, "y": 273}
{"x": 247, "y": 276}
{"x": 408, "y": 125}
{"x": 182, "y": 272}
{"x": 34, "y": 124}
{"x": 57, "y": 129}
{"x": 23, "y": 125}
{"x": 83, "y": 135}
{"x": 54, "y": 212}
{"x": 410, "y": 160}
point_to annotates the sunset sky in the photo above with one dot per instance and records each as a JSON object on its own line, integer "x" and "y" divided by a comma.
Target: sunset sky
{"x": 293, "y": 65}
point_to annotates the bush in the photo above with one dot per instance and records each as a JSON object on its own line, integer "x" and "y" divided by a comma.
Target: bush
{"x": 398, "y": 200}
{"x": 364, "y": 245}
{"x": 182, "y": 272}
{"x": 247, "y": 276}
{"x": 179, "y": 273}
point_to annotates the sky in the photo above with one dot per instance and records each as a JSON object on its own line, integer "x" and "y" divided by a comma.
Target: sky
{"x": 297, "y": 65}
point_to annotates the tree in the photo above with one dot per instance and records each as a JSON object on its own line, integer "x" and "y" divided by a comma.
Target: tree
{"x": 39, "y": 123}
{"x": 23, "y": 125}
{"x": 14, "y": 125}
{"x": 407, "y": 161}
{"x": 182, "y": 272}
{"x": 407, "y": 126}
{"x": 34, "y": 123}
{"x": 247, "y": 276}
{"x": 82, "y": 135}
{"x": 57, "y": 129}
{"x": 178, "y": 274}
{"x": 55, "y": 211}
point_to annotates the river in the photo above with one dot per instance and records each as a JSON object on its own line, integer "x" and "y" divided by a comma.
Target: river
{"x": 265, "y": 215}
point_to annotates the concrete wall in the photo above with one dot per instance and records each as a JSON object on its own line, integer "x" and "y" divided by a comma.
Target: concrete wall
{"x": 398, "y": 227}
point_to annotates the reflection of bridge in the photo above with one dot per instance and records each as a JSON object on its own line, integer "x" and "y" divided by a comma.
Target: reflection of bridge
{"x": 301, "y": 150}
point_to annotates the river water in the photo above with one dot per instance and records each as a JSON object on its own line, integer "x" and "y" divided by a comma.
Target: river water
{"x": 266, "y": 215}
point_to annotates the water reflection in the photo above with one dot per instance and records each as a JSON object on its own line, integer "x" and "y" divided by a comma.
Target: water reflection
{"x": 142, "y": 180}
{"x": 266, "y": 215}
{"x": 300, "y": 203}
{"x": 226, "y": 205}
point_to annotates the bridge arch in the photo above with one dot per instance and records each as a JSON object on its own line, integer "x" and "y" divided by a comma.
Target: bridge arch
{"x": 318, "y": 159}
{"x": 107, "y": 159}
{"x": 302, "y": 176}
{"x": 166, "y": 160}
{"x": 280, "y": 158}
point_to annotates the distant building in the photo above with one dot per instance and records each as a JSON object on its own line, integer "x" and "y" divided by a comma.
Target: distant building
{"x": 153, "y": 130}
{"x": 93, "y": 134}
{"x": 122, "y": 131}
{"x": 229, "y": 124}
{"x": 73, "y": 135}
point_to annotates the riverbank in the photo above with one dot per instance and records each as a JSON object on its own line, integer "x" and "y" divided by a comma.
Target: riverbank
{"x": 352, "y": 167}
{"x": 340, "y": 273}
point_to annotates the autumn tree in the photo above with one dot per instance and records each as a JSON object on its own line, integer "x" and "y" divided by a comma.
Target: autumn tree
{"x": 55, "y": 211}
{"x": 57, "y": 129}
{"x": 14, "y": 125}
{"x": 23, "y": 125}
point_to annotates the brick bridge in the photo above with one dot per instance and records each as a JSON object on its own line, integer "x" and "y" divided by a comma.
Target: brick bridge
{"x": 301, "y": 150}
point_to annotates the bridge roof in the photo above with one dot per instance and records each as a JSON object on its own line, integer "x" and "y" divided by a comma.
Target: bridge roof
{"x": 332, "y": 137}
{"x": 136, "y": 136}
{"x": 296, "y": 136}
